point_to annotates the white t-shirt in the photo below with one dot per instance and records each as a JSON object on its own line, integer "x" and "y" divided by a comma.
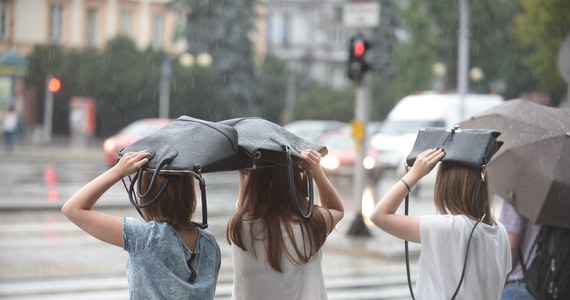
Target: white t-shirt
{"x": 443, "y": 244}
{"x": 10, "y": 122}
{"x": 254, "y": 279}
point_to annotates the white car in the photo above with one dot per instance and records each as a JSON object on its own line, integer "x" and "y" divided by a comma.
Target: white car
{"x": 415, "y": 112}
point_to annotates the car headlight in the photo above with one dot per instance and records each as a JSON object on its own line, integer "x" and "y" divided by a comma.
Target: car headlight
{"x": 369, "y": 163}
{"x": 109, "y": 145}
{"x": 330, "y": 162}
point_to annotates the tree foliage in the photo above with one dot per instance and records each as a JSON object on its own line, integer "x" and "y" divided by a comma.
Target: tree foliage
{"x": 320, "y": 101}
{"x": 273, "y": 78}
{"x": 222, "y": 29}
{"x": 124, "y": 82}
{"x": 540, "y": 28}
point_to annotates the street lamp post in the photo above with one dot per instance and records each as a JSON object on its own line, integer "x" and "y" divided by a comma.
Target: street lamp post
{"x": 185, "y": 59}
{"x": 164, "y": 95}
{"x": 463, "y": 57}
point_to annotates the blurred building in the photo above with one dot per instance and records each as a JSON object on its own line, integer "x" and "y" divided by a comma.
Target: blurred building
{"x": 310, "y": 36}
{"x": 84, "y": 23}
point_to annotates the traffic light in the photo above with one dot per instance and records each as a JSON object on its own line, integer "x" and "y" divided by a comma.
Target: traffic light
{"x": 357, "y": 61}
{"x": 54, "y": 84}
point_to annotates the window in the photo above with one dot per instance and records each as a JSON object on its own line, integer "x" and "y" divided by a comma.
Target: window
{"x": 91, "y": 34}
{"x": 4, "y": 19}
{"x": 158, "y": 31}
{"x": 268, "y": 30}
{"x": 126, "y": 22}
{"x": 56, "y": 23}
{"x": 286, "y": 42}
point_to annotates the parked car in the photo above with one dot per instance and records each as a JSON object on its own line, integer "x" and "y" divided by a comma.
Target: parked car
{"x": 130, "y": 134}
{"x": 342, "y": 156}
{"x": 313, "y": 130}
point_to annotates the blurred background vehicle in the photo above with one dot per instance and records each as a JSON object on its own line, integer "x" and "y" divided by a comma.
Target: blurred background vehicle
{"x": 342, "y": 156}
{"x": 129, "y": 135}
{"x": 313, "y": 130}
{"x": 414, "y": 112}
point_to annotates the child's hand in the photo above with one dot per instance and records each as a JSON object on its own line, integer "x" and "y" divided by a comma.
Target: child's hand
{"x": 426, "y": 161}
{"x": 131, "y": 162}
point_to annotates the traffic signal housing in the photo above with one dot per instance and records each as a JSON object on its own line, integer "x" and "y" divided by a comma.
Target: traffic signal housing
{"x": 357, "y": 61}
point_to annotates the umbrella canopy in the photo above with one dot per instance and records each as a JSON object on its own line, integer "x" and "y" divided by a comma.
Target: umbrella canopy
{"x": 532, "y": 169}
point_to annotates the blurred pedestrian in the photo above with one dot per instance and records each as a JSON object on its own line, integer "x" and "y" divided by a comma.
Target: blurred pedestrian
{"x": 450, "y": 246}
{"x": 276, "y": 253}
{"x": 169, "y": 256}
{"x": 522, "y": 234}
{"x": 9, "y": 125}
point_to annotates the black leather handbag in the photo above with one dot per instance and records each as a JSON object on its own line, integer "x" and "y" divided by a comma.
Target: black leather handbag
{"x": 471, "y": 147}
{"x": 187, "y": 146}
{"x": 265, "y": 144}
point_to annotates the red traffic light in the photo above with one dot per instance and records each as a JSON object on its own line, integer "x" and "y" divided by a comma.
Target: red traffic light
{"x": 54, "y": 85}
{"x": 359, "y": 48}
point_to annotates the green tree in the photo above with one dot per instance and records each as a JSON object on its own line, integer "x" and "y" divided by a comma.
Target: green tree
{"x": 433, "y": 28}
{"x": 223, "y": 29}
{"x": 321, "y": 101}
{"x": 273, "y": 78}
{"x": 125, "y": 85}
{"x": 540, "y": 28}
{"x": 196, "y": 92}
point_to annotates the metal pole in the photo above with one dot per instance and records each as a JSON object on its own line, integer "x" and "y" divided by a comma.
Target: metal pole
{"x": 164, "y": 95}
{"x": 291, "y": 97}
{"x": 48, "y": 112}
{"x": 358, "y": 228}
{"x": 463, "y": 56}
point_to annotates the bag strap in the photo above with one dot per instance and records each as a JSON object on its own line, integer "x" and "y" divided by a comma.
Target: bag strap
{"x": 292, "y": 190}
{"x": 407, "y": 255}
{"x": 133, "y": 195}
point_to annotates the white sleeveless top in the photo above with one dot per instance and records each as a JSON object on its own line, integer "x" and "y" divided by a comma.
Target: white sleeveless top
{"x": 443, "y": 244}
{"x": 254, "y": 279}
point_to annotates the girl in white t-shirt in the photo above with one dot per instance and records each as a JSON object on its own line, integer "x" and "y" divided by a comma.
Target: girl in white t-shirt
{"x": 276, "y": 253}
{"x": 462, "y": 199}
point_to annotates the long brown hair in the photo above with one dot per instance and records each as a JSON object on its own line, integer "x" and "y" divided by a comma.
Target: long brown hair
{"x": 267, "y": 200}
{"x": 460, "y": 190}
{"x": 176, "y": 205}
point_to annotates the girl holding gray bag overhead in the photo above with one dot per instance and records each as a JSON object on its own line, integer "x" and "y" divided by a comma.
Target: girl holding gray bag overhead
{"x": 277, "y": 254}
{"x": 464, "y": 251}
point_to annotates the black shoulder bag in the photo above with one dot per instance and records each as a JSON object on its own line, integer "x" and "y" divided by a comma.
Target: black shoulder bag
{"x": 186, "y": 146}
{"x": 470, "y": 147}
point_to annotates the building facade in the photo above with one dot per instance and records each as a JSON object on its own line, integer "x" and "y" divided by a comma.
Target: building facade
{"x": 84, "y": 23}
{"x": 310, "y": 36}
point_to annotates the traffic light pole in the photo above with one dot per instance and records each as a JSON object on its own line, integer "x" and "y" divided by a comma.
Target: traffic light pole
{"x": 48, "y": 112}
{"x": 358, "y": 228}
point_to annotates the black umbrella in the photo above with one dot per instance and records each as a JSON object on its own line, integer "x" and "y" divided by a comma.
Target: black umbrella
{"x": 185, "y": 146}
{"x": 532, "y": 169}
{"x": 265, "y": 144}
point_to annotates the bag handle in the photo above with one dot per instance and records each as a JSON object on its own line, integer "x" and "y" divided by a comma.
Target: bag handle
{"x": 407, "y": 254}
{"x": 135, "y": 196}
{"x": 292, "y": 190}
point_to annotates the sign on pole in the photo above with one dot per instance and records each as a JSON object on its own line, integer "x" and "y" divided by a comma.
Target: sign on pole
{"x": 361, "y": 15}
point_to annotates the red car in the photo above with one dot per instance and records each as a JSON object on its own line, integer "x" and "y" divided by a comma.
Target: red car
{"x": 130, "y": 134}
{"x": 342, "y": 156}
